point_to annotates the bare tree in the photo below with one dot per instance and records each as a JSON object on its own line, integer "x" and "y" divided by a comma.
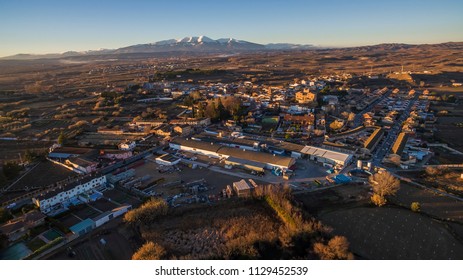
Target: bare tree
{"x": 336, "y": 125}
{"x": 336, "y": 249}
{"x": 351, "y": 117}
{"x": 383, "y": 184}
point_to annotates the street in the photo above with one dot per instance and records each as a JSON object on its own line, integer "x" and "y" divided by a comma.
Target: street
{"x": 391, "y": 137}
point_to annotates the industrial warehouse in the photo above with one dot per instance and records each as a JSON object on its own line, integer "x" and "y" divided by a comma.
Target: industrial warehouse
{"x": 327, "y": 156}
{"x": 259, "y": 160}
{"x": 234, "y": 156}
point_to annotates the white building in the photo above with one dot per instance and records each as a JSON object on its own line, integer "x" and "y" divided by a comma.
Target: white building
{"x": 242, "y": 188}
{"x": 327, "y": 156}
{"x": 60, "y": 196}
{"x": 105, "y": 217}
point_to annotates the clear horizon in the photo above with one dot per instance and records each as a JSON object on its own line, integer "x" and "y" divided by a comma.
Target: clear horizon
{"x": 52, "y": 26}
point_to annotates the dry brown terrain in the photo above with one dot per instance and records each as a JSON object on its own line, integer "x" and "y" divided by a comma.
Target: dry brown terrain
{"x": 392, "y": 231}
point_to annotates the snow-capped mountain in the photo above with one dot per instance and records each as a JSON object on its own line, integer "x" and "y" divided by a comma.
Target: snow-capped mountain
{"x": 195, "y": 44}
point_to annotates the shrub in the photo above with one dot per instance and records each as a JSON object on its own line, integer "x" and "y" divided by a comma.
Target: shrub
{"x": 378, "y": 200}
{"x": 432, "y": 171}
{"x": 150, "y": 251}
{"x": 148, "y": 212}
{"x": 415, "y": 206}
{"x": 336, "y": 249}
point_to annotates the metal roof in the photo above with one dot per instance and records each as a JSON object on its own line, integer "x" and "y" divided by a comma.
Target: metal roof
{"x": 246, "y": 162}
{"x": 328, "y": 154}
{"x": 237, "y": 153}
{"x": 257, "y": 156}
{"x": 242, "y": 185}
{"x": 83, "y": 225}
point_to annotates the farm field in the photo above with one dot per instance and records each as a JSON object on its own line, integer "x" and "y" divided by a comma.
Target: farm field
{"x": 10, "y": 150}
{"x": 393, "y": 233}
{"x": 42, "y": 175}
{"x": 432, "y": 204}
{"x": 447, "y": 126}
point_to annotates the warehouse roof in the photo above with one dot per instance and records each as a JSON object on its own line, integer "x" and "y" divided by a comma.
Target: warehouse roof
{"x": 245, "y": 162}
{"x": 236, "y": 153}
{"x": 83, "y": 225}
{"x": 320, "y": 152}
{"x": 207, "y": 146}
{"x": 257, "y": 156}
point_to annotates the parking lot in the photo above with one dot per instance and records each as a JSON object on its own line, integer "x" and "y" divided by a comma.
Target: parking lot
{"x": 306, "y": 170}
{"x": 171, "y": 179}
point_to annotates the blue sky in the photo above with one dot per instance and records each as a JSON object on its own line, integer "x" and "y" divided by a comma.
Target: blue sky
{"x": 58, "y": 26}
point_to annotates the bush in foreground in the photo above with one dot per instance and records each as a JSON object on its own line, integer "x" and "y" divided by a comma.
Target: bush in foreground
{"x": 148, "y": 212}
{"x": 336, "y": 249}
{"x": 150, "y": 251}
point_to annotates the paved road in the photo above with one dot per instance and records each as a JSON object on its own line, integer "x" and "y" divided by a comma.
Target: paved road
{"x": 391, "y": 137}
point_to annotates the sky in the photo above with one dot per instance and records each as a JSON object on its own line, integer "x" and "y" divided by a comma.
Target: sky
{"x": 52, "y": 26}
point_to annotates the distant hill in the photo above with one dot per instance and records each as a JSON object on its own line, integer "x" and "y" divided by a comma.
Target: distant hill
{"x": 199, "y": 44}
{"x": 204, "y": 45}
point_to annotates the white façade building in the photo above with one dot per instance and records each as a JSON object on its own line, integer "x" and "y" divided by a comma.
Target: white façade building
{"x": 62, "y": 195}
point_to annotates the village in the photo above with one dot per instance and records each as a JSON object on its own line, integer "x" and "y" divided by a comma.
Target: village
{"x": 201, "y": 143}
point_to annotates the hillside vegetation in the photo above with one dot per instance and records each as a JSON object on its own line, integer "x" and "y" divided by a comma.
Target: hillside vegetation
{"x": 266, "y": 226}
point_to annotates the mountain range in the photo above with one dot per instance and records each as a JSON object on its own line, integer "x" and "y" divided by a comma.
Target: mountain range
{"x": 199, "y": 44}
